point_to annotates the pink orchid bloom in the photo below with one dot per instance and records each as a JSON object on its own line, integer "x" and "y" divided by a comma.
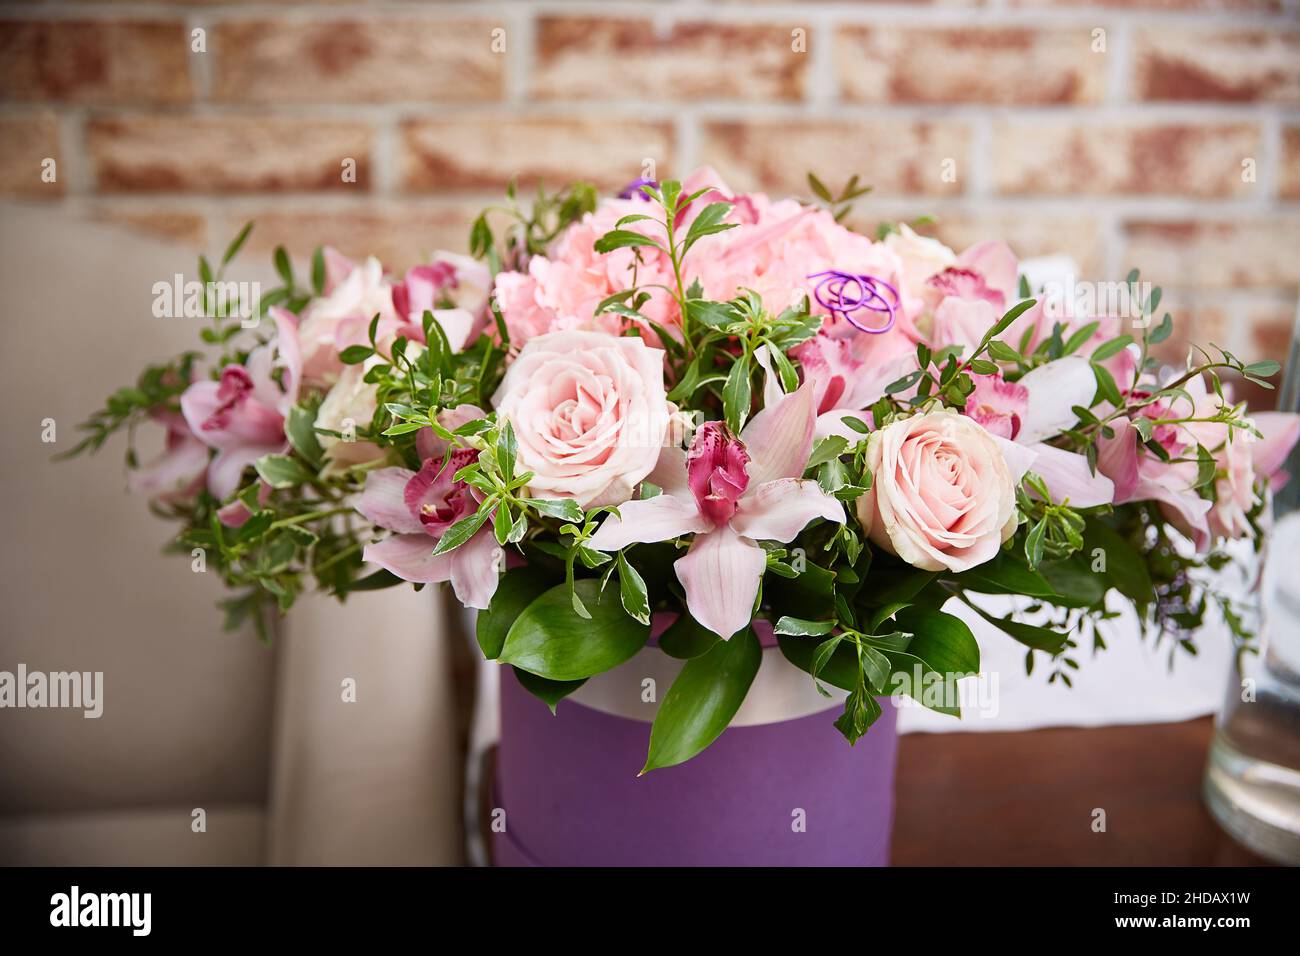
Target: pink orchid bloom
{"x": 453, "y": 288}
{"x": 1024, "y": 415}
{"x": 730, "y": 493}
{"x": 177, "y": 473}
{"x": 242, "y": 414}
{"x": 1241, "y": 458}
{"x": 419, "y": 507}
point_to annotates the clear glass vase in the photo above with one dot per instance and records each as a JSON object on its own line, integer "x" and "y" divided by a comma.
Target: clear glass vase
{"x": 1252, "y": 782}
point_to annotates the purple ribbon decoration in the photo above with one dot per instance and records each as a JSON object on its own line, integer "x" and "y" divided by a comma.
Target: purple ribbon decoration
{"x": 844, "y": 293}
{"x": 633, "y": 189}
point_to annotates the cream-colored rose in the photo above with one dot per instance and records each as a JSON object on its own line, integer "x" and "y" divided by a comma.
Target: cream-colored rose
{"x": 347, "y": 408}
{"x": 589, "y": 412}
{"x": 942, "y": 495}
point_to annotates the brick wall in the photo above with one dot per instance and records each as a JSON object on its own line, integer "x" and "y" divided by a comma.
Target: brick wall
{"x": 1162, "y": 133}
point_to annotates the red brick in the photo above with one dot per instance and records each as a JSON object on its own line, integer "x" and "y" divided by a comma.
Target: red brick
{"x": 1264, "y": 6}
{"x": 1066, "y": 159}
{"x": 1289, "y": 181}
{"x": 26, "y": 142}
{"x": 595, "y": 58}
{"x": 459, "y": 153}
{"x": 399, "y": 234}
{"x": 226, "y": 154}
{"x": 1037, "y": 234}
{"x": 1222, "y": 65}
{"x": 969, "y": 65}
{"x": 894, "y": 156}
{"x": 363, "y": 60}
{"x": 1221, "y": 253}
{"x": 182, "y": 225}
{"x": 94, "y": 61}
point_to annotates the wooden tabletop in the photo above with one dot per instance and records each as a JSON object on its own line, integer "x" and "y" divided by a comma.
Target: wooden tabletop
{"x": 1029, "y": 798}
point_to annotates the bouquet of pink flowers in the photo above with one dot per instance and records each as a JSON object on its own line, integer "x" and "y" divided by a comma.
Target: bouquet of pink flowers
{"x": 722, "y": 411}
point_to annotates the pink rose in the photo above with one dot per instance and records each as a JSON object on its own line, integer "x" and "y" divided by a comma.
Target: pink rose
{"x": 590, "y": 414}
{"x": 942, "y": 496}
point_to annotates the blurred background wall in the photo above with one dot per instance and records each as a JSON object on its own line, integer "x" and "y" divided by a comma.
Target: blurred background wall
{"x": 1159, "y": 133}
{"x": 1164, "y": 133}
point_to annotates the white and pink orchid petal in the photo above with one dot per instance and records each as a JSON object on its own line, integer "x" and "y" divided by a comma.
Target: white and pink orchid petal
{"x": 669, "y": 473}
{"x": 772, "y": 390}
{"x": 226, "y": 469}
{"x": 383, "y": 501}
{"x": 290, "y": 354}
{"x": 648, "y": 520}
{"x": 1069, "y": 478}
{"x": 779, "y": 438}
{"x": 175, "y": 468}
{"x": 476, "y": 567}
{"x": 1278, "y": 434}
{"x": 779, "y": 510}
{"x": 832, "y": 423}
{"x": 1020, "y": 458}
{"x": 1117, "y": 458}
{"x": 720, "y": 574}
{"x": 411, "y": 558}
{"x": 457, "y": 325}
{"x": 995, "y": 261}
{"x": 337, "y": 268}
{"x": 1054, "y": 390}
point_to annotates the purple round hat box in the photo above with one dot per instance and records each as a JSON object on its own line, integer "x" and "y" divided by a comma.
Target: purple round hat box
{"x": 782, "y": 792}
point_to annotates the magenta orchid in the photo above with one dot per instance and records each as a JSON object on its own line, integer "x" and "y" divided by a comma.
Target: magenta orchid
{"x": 730, "y": 493}
{"x": 242, "y": 414}
{"x": 419, "y": 507}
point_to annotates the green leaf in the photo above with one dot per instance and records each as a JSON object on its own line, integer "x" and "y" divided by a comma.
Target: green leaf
{"x": 622, "y": 239}
{"x": 708, "y": 222}
{"x": 1162, "y": 331}
{"x": 1034, "y": 543}
{"x": 301, "y": 432}
{"x": 566, "y": 509}
{"x": 632, "y": 591}
{"x": 318, "y": 271}
{"x": 236, "y": 244}
{"x": 549, "y": 692}
{"x": 1006, "y": 575}
{"x": 797, "y": 627}
{"x": 1039, "y": 638}
{"x": 703, "y": 699}
{"x": 736, "y": 394}
{"x": 712, "y": 314}
{"x": 943, "y": 641}
{"x": 519, "y": 588}
{"x": 280, "y": 471}
{"x": 1074, "y": 581}
{"x": 283, "y": 266}
{"x": 1125, "y": 569}
{"x": 840, "y": 671}
{"x": 551, "y": 640}
{"x": 1265, "y": 369}
{"x": 355, "y": 354}
{"x": 832, "y": 446}
{"x": 462, "y": 530}
{"x": 1112, "y": 347}
{"x": 687, "y": 638}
